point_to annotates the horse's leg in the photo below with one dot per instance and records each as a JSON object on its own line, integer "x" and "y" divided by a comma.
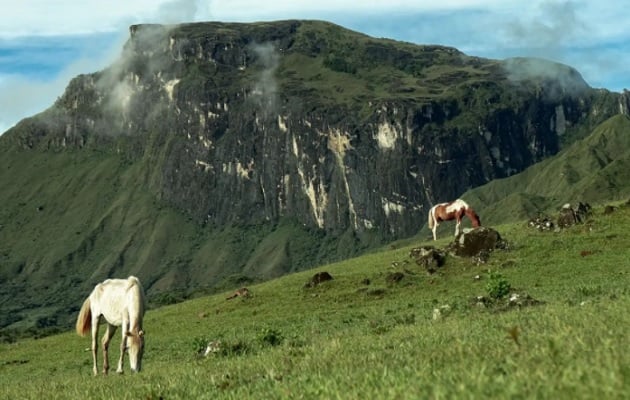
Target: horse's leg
{"x": 94, "y": 330}
{"x": 459, "y": 222}
{"x": 107, "y": 337}
{"x": 435, "y": 225}
{"x": 123, "y": 344}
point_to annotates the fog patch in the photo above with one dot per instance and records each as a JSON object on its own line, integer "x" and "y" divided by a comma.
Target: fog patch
{"x": 179, "y": 11}
{"x": 265, "y": 90}
{"x": 554, "y": 78}
{"x": 143, "y": 56}
{"x": 552, "y": 28}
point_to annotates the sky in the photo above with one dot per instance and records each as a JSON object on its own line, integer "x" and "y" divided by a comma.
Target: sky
{"x": 45, "y": 43}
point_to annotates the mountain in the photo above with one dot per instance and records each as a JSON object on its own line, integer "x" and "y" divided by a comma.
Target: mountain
{"x": 214, "y": 154}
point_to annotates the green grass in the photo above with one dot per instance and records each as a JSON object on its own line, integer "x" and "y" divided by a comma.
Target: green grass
{"x": 349, "y": 339}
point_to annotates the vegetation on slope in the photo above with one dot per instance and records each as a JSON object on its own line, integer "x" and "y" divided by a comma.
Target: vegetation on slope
{"x": 359, "y": 336}
{"x": 593, "y": 170}
{"x": 74, "y": 218}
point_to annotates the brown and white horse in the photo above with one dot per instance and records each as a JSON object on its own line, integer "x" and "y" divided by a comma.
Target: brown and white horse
{"x": 455, "y": 210}
{"x": 121, "y": 302}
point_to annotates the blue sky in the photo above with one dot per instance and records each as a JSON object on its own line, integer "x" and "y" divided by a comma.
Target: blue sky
{"x": 44, "y": 43}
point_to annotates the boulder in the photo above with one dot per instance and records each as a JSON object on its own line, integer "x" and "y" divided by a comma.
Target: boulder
{"x": 394, "y": 277}
{"x": 242, "y": 292}
{"x": 609, "y": 209}
{"x": 541, "y": 222}
{"x": 476, "y": 241}
{"x": 428, "y": 257}
{"x": 317, "y": 279}
{"x": 571, "y": 214}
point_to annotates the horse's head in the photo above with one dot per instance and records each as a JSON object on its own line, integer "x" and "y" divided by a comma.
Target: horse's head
{"x": 135, "y": 347}
{"x": 474, "y": 218}
{"x": 476, "y": 222}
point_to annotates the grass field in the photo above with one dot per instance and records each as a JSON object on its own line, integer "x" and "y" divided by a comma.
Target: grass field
{"x": 360, "y": 337}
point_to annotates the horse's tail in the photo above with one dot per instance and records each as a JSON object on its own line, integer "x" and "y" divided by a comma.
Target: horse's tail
{"x": 84, "y": 320}
{"x": 431, "y": 218}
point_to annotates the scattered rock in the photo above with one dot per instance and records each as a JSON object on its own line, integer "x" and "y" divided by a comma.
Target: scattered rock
{"x": 541, "y": 222}
{"x": 521, "y": 300}
{"x": 609, "y": 210}
{"x": 212, "y": 347}
{"x": 428, "y": 257}
{"x": 376, "y": 292}
{"x": 317, "y": 279}
{"x": 514, "y": 300}
{"x": 573, "y": 214}
{"x": 394, "y": 277}
{"x": 481, "y": 258}
{"x": 441, "y": 312}
{"x": 242, "y": 292}
{"x": 419, "y": 251}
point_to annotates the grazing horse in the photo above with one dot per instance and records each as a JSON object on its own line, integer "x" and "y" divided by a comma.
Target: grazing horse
{"x": 449, "y": 211}
{"x": 121, "y": 302}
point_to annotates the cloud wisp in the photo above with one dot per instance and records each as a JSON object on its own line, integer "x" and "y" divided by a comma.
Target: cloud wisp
{"x": 38, "y": 63}
{"x": 41, "y": 52}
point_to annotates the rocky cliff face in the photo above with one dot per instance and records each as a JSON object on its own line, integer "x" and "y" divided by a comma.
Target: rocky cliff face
{"x": 248, "y": 124}
{"x": 239, "y": 134}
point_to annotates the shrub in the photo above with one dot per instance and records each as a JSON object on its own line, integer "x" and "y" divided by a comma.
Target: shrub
{"x": 271, "y": 337}
{"x": 497, "y": 286}
{"x": 199, "y": 344}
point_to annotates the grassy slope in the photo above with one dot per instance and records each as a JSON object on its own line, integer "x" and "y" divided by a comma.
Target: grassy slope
{"x": 593, "y": 169}
{"x": 346, "y": 339}
{"x": 96, "y": 219}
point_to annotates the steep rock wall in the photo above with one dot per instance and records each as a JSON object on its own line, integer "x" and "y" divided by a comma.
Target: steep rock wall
{"x": 235, "y": 140}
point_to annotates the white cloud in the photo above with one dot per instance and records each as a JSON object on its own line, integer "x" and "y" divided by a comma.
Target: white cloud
{"x": 593, "y": 37}
{"x": 250, "y": 10}
{"x": 23, "y": 95}
{"x": 69, "y": 17}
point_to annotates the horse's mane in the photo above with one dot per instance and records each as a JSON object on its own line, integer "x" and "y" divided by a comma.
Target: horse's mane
{"x": 134, "y": 284}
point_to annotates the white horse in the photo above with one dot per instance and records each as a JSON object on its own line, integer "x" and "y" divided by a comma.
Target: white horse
{"x": 121, "y": 302}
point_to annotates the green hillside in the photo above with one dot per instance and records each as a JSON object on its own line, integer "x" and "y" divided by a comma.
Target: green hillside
{"x": 594, "y": 169}
{"x": 362, "y": 335}
{"x": 89, "y": 214}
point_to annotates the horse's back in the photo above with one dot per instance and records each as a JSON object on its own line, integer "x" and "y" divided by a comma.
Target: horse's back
{"x": 457, "y": 205}
{"x": 113, "y": 297}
